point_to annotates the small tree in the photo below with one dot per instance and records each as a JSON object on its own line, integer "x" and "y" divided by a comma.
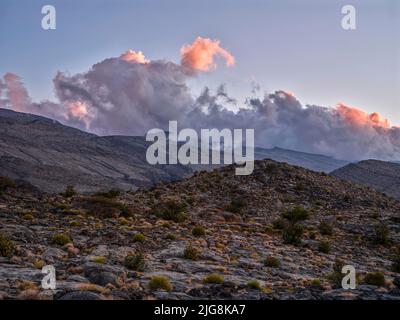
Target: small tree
{"x": 381, "y": 234}
{"x": 293, "y": 230}
{"x": 69, "y": 192}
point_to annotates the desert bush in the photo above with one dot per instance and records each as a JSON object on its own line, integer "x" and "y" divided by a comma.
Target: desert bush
{"x": 296, "y": 214}
{"x": 381, "y": 234}
{"x": 324, "y": 246}
{"x": 111, "y": 194}
{"x": 325, "y": 228}
{"x": 279, "y": 224}
{"x": 135, "y": 262}
{"x": 6, "y": 183}
{"x": 336, "y": 276}
{"x": 7, "y": 247}
{"x": 292, "y": 234}
{"x": 39, "y": 264}
{"x": 104, "y": 207}
{"x": 236, "y": 206}
{"x": 170, "y": 210}
{"x": 272, "y": 262}
{"x": 170, "y": 236}
{"x": 213, "y": 278}
{"x": 139, "y": 237}
{"x": 254, "y": 284}
{"x": 191, "y": 253}
{"x": 69, "y": 192}
{"x": 99, "y": 259}
{"x": 396, "y": 264}
{"x": 316, "y": 283}
{"x": 375, "y": 279}
{"x": 28, "y": 216}
{"x": 160, "y": 282}
{"x": 198, "y": 231}
{"x": 61, "y": 239}
{"x": 125, "y": 211}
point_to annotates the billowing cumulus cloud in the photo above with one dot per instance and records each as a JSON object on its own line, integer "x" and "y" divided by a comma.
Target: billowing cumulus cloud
{"x": 130, "y": 95}
{"x": 15, "y": 93}
{"x": 279, "y": 119}
{"x": 133, "y": 56}
{"x": 200, "y": 55}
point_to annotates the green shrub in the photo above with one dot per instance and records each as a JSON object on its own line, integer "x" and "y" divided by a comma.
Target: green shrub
{"x": 7, "y": 247}
{"x": 324, "y": 247}
{"x": 69, "y": 192}
{"x": 170, "y": 236}
{"x": 236, "y": 206}
{"x": 381, "y": 234}
{"x": 61, "y": 239}
{"x": 296, "y": 214}
{"x": 135, "y": 262}
{"x": 272, "y": 262}
{"x": 28, "y": 216}
{"x": 160, "y": 282}
{"x": 254, "y": 284}
{"x": 279, "y": 224}
{"x": 292, "y": 234}
{"x": 325, "y": 228}
{"x": 104, "y": 207}
{"x": 213, "y": 278}
{"x": 375, "y": 279}
{"x": 316, "y": 283}
{"x": 191, "y": 253}
{"x": 125, "y": 211}
{"x": 6, "y": 183}
{"x": 113, "y": 193}
{"x": 171, "y": 210}
{"x": 138, "y": 237}
{"x": 198, "y": 231}
{"x": 336, "y": 276}
{"x": 99, "y": 259}
{"x": 396, "y": 264}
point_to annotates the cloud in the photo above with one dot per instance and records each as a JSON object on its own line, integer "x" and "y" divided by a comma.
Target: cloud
{"x": 200, "y": 55}
{"x": 133, "y": 56}
{"x": 125, "y": 97}
{"x": 358, "y": 117}
{"x": 129, "y": 95}
{"x": 15, "y": 93}
{"x": 279, "y": 119}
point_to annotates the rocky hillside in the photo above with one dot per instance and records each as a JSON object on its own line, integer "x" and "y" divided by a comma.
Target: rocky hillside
{"x": 380, "y": 175}
{"x": 315, "y": 162}
{"x": 51, "y": 156}
{"x": 282, "y": 233}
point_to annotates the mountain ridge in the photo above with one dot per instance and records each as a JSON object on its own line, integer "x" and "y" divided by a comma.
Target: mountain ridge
{"x": 380, "y": 175}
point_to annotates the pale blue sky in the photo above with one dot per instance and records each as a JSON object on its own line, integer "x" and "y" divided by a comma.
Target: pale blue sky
{"x": 293, "y": 45}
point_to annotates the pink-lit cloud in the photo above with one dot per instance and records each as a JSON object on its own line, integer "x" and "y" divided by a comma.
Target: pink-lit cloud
{"x": 200, "y": 55}
{"x": 128, "y": 95}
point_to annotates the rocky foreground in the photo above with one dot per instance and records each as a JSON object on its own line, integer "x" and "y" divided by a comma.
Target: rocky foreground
{"x": 281, "y": 233}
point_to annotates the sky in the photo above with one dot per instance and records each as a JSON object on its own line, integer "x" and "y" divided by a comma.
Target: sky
{"x": 304, "y": 82}
{"x": 298, "y": 46}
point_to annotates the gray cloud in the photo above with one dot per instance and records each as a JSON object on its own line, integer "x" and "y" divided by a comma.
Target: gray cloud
{"x": 131, "y": 96}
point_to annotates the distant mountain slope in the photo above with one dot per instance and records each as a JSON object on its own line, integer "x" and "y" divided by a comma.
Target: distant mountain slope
{"x": 315, "y": 162}
{"x": 50, "y": 156}
{"x": 380, "y": 175}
